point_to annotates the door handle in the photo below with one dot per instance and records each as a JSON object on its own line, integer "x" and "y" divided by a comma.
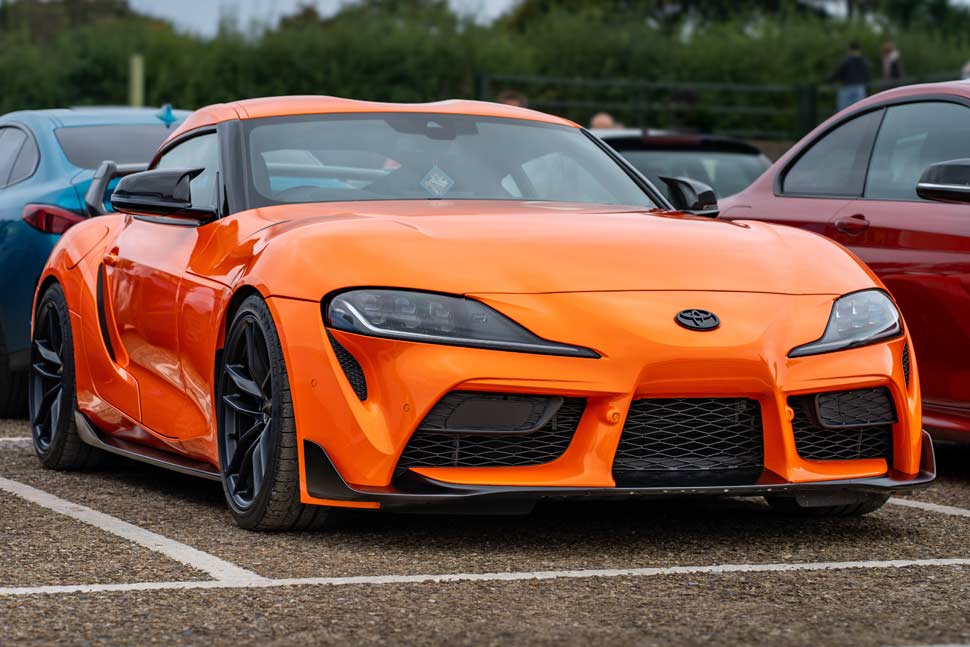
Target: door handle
{"x": 111, "y": 260}
{"x": 852, "y": 225}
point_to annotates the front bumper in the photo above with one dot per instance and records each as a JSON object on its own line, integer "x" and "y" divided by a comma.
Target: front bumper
{"x": 413, "y": 492}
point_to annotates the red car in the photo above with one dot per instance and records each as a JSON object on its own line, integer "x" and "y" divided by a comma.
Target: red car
{"x": 889, "y": 178}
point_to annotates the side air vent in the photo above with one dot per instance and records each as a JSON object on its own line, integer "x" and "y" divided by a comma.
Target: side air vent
{"x": 906, "y": 363}
{"x": 102, "y": 315}
{"x": 351, "y": 368}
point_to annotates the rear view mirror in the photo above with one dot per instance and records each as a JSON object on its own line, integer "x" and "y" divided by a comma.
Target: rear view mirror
{"x": 946, "y": 182}
{"x": 160, "y": 193}
{"x": 691, "y": 196}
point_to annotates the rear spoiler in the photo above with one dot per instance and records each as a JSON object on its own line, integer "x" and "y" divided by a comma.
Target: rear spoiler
{"x": 94, "y": 198}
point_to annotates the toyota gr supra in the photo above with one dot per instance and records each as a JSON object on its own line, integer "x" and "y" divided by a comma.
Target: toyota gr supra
{"x": 460, "y": 307}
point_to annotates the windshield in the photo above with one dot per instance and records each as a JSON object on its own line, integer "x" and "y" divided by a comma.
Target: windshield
{"x": 726, "y": 173}
{"x": 88, "y": 146}
{"x": 404, "y": 156}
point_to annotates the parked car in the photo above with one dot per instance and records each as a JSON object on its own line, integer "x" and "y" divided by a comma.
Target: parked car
{"x": 725, "y": 164}
{"x": 47, "y": 161}
{"x": 859, "y": 179}
{"x": 459, "y": 306}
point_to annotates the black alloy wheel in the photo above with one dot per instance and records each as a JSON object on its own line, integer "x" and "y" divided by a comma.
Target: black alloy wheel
{"x": 46, "y": 376}
{"x": 248, "y": 439}
{"x": 257, "y": 432}
{"x": 51, "y": 392}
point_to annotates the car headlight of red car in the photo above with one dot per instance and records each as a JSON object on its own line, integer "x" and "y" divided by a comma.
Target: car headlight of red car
{"x": 437, "y": 319}
{"x": 857, "y": 319}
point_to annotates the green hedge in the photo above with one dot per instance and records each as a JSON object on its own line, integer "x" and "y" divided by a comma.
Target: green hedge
{"x": 419, "y": 50}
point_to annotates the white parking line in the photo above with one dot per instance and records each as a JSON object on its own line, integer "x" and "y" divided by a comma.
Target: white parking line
{"x": 931, "y": 507}
{"x": 16, "y": 441}
{"x": 720, "y": 569}
{"x": 221, "y": 570}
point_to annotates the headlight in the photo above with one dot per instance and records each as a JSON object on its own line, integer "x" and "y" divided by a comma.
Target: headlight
{"x": 437, "y": 319}
{"x": 857, "y": 319}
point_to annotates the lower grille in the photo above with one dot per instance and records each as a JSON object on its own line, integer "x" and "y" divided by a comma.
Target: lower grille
{"x": 691, "y": 434}
{"x": 844, "y": 425}
{"x": 431, "y": 447}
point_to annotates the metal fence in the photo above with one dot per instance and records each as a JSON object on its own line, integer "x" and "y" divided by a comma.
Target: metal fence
{"x": 764, "y": 112}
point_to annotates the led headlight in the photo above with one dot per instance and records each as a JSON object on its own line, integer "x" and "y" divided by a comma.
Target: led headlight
{"x": 437, "y": 319}
{"x": 857, "y": 319}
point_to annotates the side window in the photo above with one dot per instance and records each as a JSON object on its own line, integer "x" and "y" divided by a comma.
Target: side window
{"x": 198, "y": 152}
{"x": 11, "y": 141}
{"x": 835, "y": 165}
{"x": 26, "y": 162}
{"x": 912, "y": 137}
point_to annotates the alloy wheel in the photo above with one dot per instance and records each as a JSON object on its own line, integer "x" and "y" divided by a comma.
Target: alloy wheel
{"x": 247, "y": 400}
{"x": 46, "y": 376}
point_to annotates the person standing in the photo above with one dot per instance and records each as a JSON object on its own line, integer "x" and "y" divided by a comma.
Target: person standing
{"x": 852, "y": 76}
{"x": 892, "y": 64}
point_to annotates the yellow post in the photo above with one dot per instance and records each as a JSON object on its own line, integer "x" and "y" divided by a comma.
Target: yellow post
{"x": 136, "y": 81}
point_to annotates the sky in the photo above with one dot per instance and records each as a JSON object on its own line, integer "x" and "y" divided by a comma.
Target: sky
{"x": 202, "y": 16}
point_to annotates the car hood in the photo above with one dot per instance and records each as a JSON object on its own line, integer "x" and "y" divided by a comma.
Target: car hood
{"x": 528, "y": 247}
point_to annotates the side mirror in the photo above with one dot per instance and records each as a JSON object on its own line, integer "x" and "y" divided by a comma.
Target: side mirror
{"x": 166, "y": 193}
{"x": 108, "y": 171}
{"x": 946, "y": 182}
{"x": 691, "y": 196}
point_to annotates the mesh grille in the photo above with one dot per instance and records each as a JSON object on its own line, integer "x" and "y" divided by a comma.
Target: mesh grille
{"x": 435, "y": 449}
{"x": 691, "y": 434}
{"x": 906, "y": 363}
{"x": 351, "y": 368}
{"x": 858, "y": 408}
{"x": 836, "y": 440}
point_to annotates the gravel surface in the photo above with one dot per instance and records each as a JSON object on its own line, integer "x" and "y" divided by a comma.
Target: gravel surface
{"x": 904, "y": 607}
{"x": 909, "y": 606}
{"x": 39, "y": 547}
{"x": 13, "y": 428}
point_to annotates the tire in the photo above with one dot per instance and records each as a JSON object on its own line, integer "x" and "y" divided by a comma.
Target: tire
{"x": 257, "y": 432}
{"x": 867, "y": 503}
{"x": 13, "y": 392}
{"x": 52, "y": 391}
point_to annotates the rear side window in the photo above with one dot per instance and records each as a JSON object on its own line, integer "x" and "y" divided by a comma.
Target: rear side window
{"x": 835, "y": 165}
{"x": 25, "y": 163}
{"x": 11, "y": 141}
{"x": 88, "y": 146}
{"x": 913, "y": 137}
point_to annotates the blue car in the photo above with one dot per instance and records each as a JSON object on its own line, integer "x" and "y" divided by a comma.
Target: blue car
{"x": 47, "y": 162}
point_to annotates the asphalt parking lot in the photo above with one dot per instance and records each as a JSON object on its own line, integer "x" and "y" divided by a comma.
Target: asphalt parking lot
{"x": 135, "y": 555}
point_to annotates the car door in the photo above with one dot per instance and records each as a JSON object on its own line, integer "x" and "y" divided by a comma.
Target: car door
{"x": 144, "y": 271}
{"x": 817, "y": 186}
{"x": 919, "y": 248}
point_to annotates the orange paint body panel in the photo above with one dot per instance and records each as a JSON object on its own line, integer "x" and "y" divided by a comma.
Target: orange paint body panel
{"x": 606, "y": 278}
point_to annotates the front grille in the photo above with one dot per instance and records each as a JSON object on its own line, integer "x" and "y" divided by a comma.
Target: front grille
{"x": 431, "y": 447}
{"x": 351, "y": 368}
{"x": 691, "y": 434}
{"x": 844, "y": 425}
{"x": 906, "y": 363}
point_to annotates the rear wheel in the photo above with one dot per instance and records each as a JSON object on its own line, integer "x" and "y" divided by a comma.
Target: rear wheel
{"x": 865, "y": 504}
{"x": 257, "y": 433}
{"x": 52, "y": 395}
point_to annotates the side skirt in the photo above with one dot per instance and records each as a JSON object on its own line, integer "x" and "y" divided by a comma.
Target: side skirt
{"x": 160, "y": 458}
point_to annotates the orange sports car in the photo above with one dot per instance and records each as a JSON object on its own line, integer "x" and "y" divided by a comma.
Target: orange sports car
{"x": 460, "y": 306}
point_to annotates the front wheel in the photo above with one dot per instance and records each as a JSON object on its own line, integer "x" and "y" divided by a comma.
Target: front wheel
{"x": 257, "y": 432}
{"x": 864, "y": 504}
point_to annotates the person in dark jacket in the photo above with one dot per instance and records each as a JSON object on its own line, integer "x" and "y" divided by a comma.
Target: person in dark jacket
{"x": 892, "y": 63}
{"x": 852, "y": 76}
